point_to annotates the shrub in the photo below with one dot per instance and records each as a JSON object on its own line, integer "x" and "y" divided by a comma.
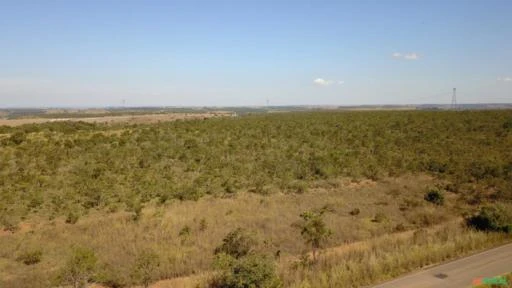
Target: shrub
{"x": 30, "y": 257}
{"x": 185, "y": 231}
{"x": 380, "y": 217}
{"x": 355, "y": 212}
{"x": 72, "y": 217}
{"x": 18, "y": 137}
{"x": 145, "y": 266}
{"x": 79, "y": 268}
{"x": 492, "y": 218}
{"x": 434, "y": 196}
{"x": 252, "y": 271}
{"x": 203, "y": 225}
{"x": 237, "y": 243}
{"x": 314, "y": 230}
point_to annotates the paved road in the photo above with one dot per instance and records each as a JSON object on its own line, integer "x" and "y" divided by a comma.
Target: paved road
{"x": 458, "y": 273}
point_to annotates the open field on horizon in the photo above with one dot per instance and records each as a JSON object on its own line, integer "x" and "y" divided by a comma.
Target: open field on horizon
{"x": 178, "y": 188}
{"x": 108, "y": 119}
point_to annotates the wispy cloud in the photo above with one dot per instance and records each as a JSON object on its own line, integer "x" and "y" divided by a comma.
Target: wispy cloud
{"x": 406, "y": 56}
{"x": 505, "y": 79}
{"x": 323, "y": 82}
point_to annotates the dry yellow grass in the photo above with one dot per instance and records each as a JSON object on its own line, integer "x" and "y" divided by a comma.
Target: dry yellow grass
{"x": 117, "y": 239}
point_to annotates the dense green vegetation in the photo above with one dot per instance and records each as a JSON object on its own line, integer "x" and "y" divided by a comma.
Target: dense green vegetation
{"x": 62, "y": 168}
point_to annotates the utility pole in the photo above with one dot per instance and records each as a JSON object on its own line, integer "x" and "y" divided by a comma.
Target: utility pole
{"x": 454, "y": 99}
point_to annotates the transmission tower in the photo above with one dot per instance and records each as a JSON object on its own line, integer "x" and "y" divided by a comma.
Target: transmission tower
{"x": 454, "y": 99}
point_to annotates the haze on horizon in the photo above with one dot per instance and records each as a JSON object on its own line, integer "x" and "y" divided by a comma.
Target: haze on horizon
{"x": 236, "y": 53}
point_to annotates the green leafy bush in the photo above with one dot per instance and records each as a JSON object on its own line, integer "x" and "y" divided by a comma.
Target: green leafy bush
{"x": 251, "y": 271}
{"x": 492, "y": 218}
{"x": 313, "y": 229}
{"x": 237, "y": 243}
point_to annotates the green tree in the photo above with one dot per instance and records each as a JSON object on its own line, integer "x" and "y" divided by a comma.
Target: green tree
{"x": 145, "y": 266}
{"x": 314, "y": 230}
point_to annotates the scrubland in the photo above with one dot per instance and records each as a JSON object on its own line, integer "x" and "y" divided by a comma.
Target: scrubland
{"x": 152, "y": 202}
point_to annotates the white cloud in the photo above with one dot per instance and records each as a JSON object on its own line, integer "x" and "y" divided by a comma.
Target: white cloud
{"x": 505, "y": 79}
{"x": 406, "y": 56}
{"x": 411, "y": 56}
{"x": 323, "y": 82}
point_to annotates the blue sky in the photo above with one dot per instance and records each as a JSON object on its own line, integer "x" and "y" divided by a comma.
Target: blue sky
{"x": 216, "y": 53}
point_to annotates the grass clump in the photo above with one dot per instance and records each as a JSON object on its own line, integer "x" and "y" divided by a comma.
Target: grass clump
{"x": 30, "y": 257}
{"x": 434, "y": 196}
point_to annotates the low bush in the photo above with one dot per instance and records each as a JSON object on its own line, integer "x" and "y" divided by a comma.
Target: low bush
{"x": 380, "y": 217}
{"x": 72, "y": 218}
{"x": 238, "y": 243}
{"x": 355, "y": 212}
{"x": 145, "y": 266}
{"x": 492, "y": 218}
{"x": 250, "y": 271}
{"x": 30, "y": 257}
{"x": 434, "y": 196}
{"x": 80, "y": 267}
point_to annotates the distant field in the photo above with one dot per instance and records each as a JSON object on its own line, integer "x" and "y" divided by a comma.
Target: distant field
{"x": 177, "y": 188}
{"x": 130, "y": 119}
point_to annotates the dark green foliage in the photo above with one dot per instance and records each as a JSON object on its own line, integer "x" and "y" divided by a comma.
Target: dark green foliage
{"x": 507, "y": 125}
{"x": 237, "y": 244}
{"x": 434, "y": 196}
{"x": 492, "y": 218}
{"x": 93, "y": 166}
{"x": 252, "y": 271}
{"x": 30, "y": 257}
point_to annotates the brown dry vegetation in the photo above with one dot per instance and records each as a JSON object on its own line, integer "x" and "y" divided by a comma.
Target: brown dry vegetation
{"x": 131, "y": 119}
{"x": 117, "y": 238}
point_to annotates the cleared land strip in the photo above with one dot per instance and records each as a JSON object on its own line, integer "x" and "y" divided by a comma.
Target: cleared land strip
{"x": 146, "y": 118}
{"x": 458, "y": 273}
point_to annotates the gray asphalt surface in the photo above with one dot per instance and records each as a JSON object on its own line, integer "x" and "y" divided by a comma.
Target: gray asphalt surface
{"x": 458, "y": 273}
